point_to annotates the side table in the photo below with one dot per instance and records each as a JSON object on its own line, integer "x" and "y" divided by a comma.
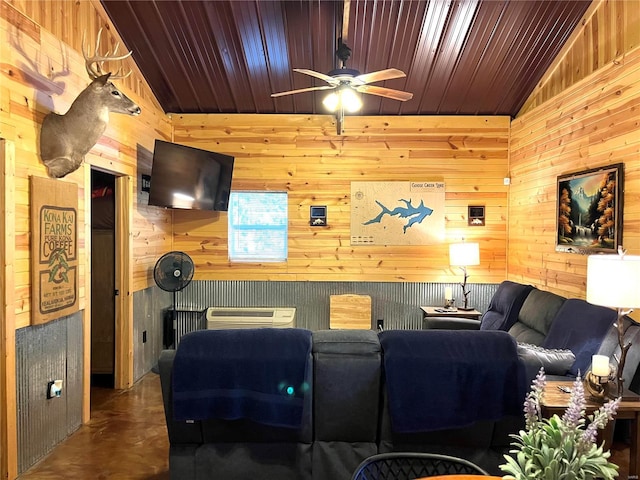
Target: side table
{"x": 441, "y": 312}
{"x": 445, "y": 312}
{"x": 555, "y": 401}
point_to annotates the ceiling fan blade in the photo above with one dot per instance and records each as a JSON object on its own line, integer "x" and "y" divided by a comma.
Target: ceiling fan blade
{"x": 321, "y": 76}
{"x": 380, "y": 75}
{"x": 385, "y": 92}
{"x": 301, "y": 90}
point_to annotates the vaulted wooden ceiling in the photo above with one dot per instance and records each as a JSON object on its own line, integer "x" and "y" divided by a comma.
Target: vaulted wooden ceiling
{"x": 471, "y": 57}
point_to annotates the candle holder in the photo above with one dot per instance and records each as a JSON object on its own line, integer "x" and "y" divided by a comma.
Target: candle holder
{"x": 597, "y": 386}
{"x": 450, "y": 304}
{"x": 601, "y": 387}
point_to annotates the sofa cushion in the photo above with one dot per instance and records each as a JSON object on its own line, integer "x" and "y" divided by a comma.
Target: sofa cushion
{"x": 554, "y": 361}
{"x": 347, "y": 363}
{"x": 504, "y": 306}
{"x": 535, "y": 317}
{"x": 580, "y": 327}
{"x": 353, "y": 342}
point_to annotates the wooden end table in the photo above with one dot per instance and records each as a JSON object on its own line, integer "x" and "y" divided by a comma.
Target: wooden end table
{"x": 555, "y": 401}
{"x": 445, "y": 312}
{"x": 441, "y": 312}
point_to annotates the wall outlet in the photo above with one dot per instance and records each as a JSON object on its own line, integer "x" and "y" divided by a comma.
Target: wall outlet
{"x": 54, "y": 389}
{"x": 380, "y": 325}
{"x": 144, "y": 336}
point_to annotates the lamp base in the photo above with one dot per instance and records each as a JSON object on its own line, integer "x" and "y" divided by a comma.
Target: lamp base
{"x": 466, "y": 309}
{"x": 627, "y": 395}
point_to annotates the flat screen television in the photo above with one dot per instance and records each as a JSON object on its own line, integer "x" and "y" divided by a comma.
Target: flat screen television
{"x": 190, "y": 178}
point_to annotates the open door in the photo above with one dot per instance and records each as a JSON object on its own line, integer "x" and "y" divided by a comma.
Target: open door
{"x": 103, "y": 280}
{"x": 111, "y": 279}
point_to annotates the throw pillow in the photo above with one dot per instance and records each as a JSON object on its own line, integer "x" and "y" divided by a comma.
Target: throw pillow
{"x": 554, "y": 361}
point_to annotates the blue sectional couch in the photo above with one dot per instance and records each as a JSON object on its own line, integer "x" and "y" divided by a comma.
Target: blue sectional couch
{"x": 555, "y": 325}
{"x": 355, "y": 393}
{"x": 367, "y": 393}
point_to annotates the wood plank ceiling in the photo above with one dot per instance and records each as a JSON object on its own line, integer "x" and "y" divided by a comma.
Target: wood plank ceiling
{"x": 468, "y": 57}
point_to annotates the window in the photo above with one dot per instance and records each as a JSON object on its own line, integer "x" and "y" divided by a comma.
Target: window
{"x": 258, "y": 226}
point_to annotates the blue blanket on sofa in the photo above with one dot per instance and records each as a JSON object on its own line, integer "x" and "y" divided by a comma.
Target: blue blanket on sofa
{"x": 257, "y": 374}
{"x": 439, "y": 379}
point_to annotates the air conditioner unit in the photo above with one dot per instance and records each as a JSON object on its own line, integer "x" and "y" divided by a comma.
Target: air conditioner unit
{"x": 248, "y": 317}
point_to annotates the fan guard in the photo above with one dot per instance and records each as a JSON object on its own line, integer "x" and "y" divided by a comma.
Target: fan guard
{"x": 173, "y": 271}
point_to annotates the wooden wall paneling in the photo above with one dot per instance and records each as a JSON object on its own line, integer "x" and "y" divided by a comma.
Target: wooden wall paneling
{"x": 605, "y": 94}
{"x": 608, "y": 30}
{"x": 591, "y": 124}
{"x": 152, "y": 237}
{"x": 8, "y": 414}
{"x": 315, "y": 166}
{"x": 43, "y": 70}
{"x": 70, "y": 21}
{"x": 58, "y": 72}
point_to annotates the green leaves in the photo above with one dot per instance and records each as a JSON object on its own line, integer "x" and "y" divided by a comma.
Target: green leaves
{"x": 555, "y": 449}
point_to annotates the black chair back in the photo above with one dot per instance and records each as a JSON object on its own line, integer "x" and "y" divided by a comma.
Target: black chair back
{"x": 408, "y": 466}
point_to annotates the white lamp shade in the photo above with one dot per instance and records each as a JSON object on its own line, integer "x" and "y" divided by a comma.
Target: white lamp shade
{"x": 464, "y": 254}
{"x": 331, "y": 102}
{"x": 614, "y": 281}
{"x": 350, "y": 100}
{"x": 345, "y": 97}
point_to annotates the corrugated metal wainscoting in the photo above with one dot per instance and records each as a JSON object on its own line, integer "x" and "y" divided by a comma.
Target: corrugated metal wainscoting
{"x": 149, "y": 306}
{"x": 398, "y": 304}
{"x": 52, "y": 351}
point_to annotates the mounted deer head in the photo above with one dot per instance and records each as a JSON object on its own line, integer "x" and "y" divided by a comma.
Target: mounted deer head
{"x": 66, "y": 139}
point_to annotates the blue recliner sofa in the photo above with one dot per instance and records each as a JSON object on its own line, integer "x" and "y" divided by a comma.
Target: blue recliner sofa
{"x": 557, "y": 333}
{"x": 294, "y": 404}
{"x": 356, "y": 393}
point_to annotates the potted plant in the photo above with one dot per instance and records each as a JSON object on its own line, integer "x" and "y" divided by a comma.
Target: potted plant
{"x": 560, "y": 448}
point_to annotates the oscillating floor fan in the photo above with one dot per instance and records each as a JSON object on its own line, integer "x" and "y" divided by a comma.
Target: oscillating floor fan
{"x": 172, "y": 273}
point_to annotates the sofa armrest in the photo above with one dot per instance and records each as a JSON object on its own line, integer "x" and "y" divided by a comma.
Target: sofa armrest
{"x": 180, "y": 432}
{"x": 451, "y": 323}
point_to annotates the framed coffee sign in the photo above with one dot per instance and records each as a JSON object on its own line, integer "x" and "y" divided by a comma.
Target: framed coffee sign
{"x": 54, "y": 249}
{"x": 589, "y": 210}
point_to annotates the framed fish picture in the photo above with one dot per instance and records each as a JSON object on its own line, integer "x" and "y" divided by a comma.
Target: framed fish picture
{"x": 397, "y": 213}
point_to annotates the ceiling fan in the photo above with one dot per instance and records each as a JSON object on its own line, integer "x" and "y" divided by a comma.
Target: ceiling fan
{"x": 346, "y": 80}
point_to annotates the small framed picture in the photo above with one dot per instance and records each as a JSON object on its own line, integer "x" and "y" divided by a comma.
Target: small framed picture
{"x": 475, "y": 217}
{"x": 318, "y": 216}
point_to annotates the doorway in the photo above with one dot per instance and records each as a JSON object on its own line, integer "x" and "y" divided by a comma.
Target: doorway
{"x": 103, "y": 279}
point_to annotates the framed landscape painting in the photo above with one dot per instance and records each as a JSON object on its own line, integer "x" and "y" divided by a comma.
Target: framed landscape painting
{"x": 590, "y": 210}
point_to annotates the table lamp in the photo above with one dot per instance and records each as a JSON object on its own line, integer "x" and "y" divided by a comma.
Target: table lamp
{"x": 614, "y": 281}
{"x": 464, "y": 255}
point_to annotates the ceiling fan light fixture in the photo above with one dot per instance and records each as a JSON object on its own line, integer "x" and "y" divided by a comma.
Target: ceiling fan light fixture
{"x": 350, "y": 100}
{"x": 345, "y": 98}
{"x": 331, "y": 102}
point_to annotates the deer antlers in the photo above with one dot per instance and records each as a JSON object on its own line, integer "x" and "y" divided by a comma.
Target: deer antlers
{"x": 95, "y": 62}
